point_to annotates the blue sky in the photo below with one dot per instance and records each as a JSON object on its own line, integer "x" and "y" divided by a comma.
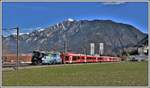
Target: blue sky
{"x": 31, "y": 16}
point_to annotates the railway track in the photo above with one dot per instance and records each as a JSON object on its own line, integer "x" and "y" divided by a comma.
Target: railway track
{"x": 7, "y": 67}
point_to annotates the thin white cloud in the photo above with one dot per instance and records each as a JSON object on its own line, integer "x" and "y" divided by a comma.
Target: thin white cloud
{"x": 25, "y": 30}
{"x": 21, "y": 32}
{"x": 70, "y": 19}
{"x": 14, "y": 33}
{"x": 113, "y": 3}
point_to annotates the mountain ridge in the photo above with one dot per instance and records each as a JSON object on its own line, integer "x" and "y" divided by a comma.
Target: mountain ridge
{"x": 79, "y": 35}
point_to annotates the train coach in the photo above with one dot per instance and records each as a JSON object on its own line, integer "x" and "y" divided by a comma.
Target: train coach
{"x": 81, "y": 58}
{"x": 68, "y": 58}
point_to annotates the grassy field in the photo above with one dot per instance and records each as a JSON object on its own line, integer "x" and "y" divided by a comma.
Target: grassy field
{"x": 109, "y": 74}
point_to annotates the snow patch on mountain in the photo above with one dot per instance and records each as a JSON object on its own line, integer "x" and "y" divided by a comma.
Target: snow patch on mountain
{"x": 40, "y": 29}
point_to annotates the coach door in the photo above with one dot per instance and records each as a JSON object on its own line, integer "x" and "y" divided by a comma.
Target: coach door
{"x": 70, "y": 59}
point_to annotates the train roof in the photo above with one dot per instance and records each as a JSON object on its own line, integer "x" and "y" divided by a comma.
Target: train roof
{"x": 74, "y": 54}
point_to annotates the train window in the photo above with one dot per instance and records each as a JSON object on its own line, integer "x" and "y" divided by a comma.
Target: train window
{"x": 100, "y": 58}
{"x": 66, "y": 57}
{"x": 54, "y": 55}
{"x": 82, "y": 58}
{"x": 88, "y": 58}
{"x": 75, "y": 57}
{"x": 93, "y": 58}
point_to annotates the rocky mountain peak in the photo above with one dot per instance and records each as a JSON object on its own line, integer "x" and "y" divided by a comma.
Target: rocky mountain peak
{"x": 79, "y": 35}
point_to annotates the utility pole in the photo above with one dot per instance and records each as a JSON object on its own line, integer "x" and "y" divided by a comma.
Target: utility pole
{"x": 66, "y": 46}
{"x": 17, "y": 47}
{"x": 65, "y": 38}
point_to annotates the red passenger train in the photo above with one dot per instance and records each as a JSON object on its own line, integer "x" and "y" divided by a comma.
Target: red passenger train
{"x": 67, "y": 58}
{"x": 82, "y": 58}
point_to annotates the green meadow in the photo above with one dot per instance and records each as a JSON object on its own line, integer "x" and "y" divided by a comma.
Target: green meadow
{"x": 99, "y": 74}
